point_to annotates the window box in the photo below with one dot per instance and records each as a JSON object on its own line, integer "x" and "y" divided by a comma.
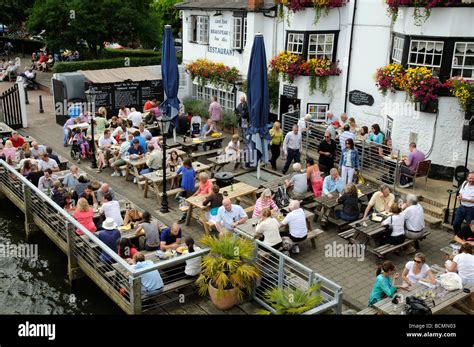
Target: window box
{"x": 321, "y": 7}
{"x": 218, "y": 74}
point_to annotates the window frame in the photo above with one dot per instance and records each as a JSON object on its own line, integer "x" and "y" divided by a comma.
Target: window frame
{"x": 401, "y": 50}
{"x": 242, "y": 31}
{"x": 462, "y": 67}
{"x": 226, "y": 98}
{"x": 317, "y": 120}
{"x": 306, "y": 35}
{"x": 430, "y": 66}
{"x": 317, "y": 44}
{"x": 198, "y": 29}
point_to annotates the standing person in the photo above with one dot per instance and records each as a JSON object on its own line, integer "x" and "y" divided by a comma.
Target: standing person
{"x": 385, "y": 283}
{"x": 109, "y": 235}
{"x": 409, "y": 165}
{"x": 276, "y": 135}
{"x": 215, "y": 111}
{"x": 292, "y": 147}
{"x": 349, "y": 162}
{"x": 242, "y": 113}
{"x": 188, "y": 178}
{"x": 314, "y": 177}
{"x": 327, "y": 153}
{"x": 346, "y": 134}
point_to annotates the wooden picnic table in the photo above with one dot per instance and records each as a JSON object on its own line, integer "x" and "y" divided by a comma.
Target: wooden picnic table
{"x": 449, "y": 250}
{"x": 132, "y": 165}
{"x": 220, "y": 161}
{"x": 240, "y": 190}
{"x": 273, "y": 184}
{"x": 442, "y": 299}
{"x": 249, "y": 227}
{"x": 369, "y": 229}
{"x": 331, "y": 202}
{"x": 82, "y": 126}
{"x": 191, "y": 143}
{"x": 155, "y": 178}
{"x": 5, "y": 130}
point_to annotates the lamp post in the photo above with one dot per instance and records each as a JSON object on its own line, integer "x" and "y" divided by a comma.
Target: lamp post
{"x": 91, "y": 95}
{"x": 165, "y": 121}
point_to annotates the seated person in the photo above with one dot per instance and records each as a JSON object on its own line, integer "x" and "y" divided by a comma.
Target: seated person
{"x": 148, "y": 233}
{"x": 205, "y": 185}
{"x": 268, "y": 228}
{"x": 89, "y": 195}
{"x": 71, "y": 179}
{"x": 207, "y": 130}
{"x": 466, "y": 235}
{"x": 233, "y": 150}
{"x": 145, "y": 133}
{"x": 119, "y": 156}
{"x": 265, "y": 201}
{"x": 9, "y": 152}
{"x": 126, "y": 250}
{"x": 350, "y": 204}
{"x": 229, "y": 216}
{"x": 193, "y": 266}
{"x": 109, "y": 235}
{"x": 17, "y": 140}
{"x": 46, "y": 182}
{"x": 171, "y": 237}
{"x": 332, "y": 183}
{"x": 416, "y": 270}
{"x": 132, "y": 216}
{"x": 136, "y": 150}
{"x": 51, "y": 155}
{"x": 384, "y": 285}
{"x": 154, "y": 160}
{"x": 151, "y": 281}
{"x": 84, "y": 214}
{"x": 214, "y": 200}
{"x": 380, "y": 201}
{"x": 296, "y": 221}
{"x": 299, "y": 182}
{"x": 111, "y": 209}
{"x": 104, "y": 190}
{"x": 37, "y": 149}
{"x": 414, "y": 218}
{"x": 463, "y": 264}
{"x": 396, "y": 222}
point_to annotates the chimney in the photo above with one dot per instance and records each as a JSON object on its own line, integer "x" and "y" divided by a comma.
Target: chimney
{"x": 254, "y": 5}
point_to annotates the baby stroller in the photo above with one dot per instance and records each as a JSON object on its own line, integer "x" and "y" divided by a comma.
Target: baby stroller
{"x": 76, "y": 151}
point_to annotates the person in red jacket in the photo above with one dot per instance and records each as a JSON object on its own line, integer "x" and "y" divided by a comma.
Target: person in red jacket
{"x": 17, "y": 140}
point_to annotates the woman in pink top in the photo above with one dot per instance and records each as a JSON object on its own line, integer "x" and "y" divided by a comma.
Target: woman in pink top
{"x": 84, "y": 214}
{"x": 314, "y": 177}
{"x": 205, "y": 185}
{"x": 9, "y": 151}
{"x": 263, "y": 202}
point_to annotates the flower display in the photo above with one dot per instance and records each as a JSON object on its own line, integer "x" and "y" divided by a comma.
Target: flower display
{"x": 422, "y": 7}
{"x": 215, "y": 73}
{"x": 320, "y": 6}
{"x": 388, "y": 78}
{"x": 318, "y": 70}
{"x": 420, "y": 85}
{"x": 290, "y": 65}
{"x": 463, "y": 90}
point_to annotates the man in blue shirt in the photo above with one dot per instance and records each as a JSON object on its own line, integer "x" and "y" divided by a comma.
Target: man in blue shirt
{"x": 136, "y": 149}
{"x": 71, "y": 180}
{"x": 332, "y": 183}
{"x": 111, "y": 237}
{"x": 170, "y": 238}
{"x": 151, "y": 281}
{"x": 229, "y": 216}
{"x": 140, "y": 139}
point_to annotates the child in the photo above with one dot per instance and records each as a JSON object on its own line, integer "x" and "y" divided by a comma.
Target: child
{"x": 81, "y": 140}
{"x": 233, "y": 150}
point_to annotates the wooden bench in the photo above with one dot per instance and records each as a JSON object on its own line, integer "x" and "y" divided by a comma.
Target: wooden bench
{"x": 368, "y": 311}
{"x": 312, "y": 235}
{"x": 184, "y": 282}
{"x": 206, "y": 153}
{"x": 347, "y": 235}
{"x": 249, "y": 210}
{"x": 339, "y": 223}
{"x": 311, "y": 205}
{"x": 179, "y": 189}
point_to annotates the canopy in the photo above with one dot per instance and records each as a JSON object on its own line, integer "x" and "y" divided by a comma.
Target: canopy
{"x": 139, "y": 73}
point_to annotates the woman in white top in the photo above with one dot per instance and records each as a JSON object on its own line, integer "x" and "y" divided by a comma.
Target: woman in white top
{"x": 397, "y": 223}
{"x": 416, "y": 270}
{"x": 232, "y": 150}
{"x": 269, "y": 228}
{"x": 193, "y": 266}
{"x": 463, "y": 263}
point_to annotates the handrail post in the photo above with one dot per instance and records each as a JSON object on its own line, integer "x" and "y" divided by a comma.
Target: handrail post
{"x": 136, "y": 295}
{"x": 73, "y": 270}
{"x": 30, "y": 226}
{"x": 397, "y": 172}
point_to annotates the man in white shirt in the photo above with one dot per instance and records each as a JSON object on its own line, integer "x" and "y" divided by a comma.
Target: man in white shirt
{"x": 292, "y": 147}
{"x": 46, "y": 182}
{"x": 119, "y": 158}
{"x": 145, "y": 133}
{"x": 414, "y": 218}
{"x": 36, "y": 149}
{"x": 303, "y": 123}
{"x": 296, "y": 221}
{"x": 136, "y": 117}
{"x": 465, "y": 211}
{"x": 111, "y": 209}
{"x": 229, "y": 216}
{"x": 47, "y": 163}
{"x": 105, "y": 142}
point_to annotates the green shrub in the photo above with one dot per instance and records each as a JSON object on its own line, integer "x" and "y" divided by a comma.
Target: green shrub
{"x": 73, "y": 66}
{"x": 109, "y": 53}
{"x": 229, "y": 120}
{"x": 195, "y": 106}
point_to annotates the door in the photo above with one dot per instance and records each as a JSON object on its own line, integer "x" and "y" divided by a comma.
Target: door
{"x": 289, "y": 105}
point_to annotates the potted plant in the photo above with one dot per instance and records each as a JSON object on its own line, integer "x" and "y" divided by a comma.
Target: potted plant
{"x": 229, "y": 121}
{"x": 227, "y": 271}
{"x": 288, "y": 301}
{"x": 218, "y": 74}
{"x": 463, "y": 90}
{"x": 388, "y": 78}
{"x": 319, "y": 70}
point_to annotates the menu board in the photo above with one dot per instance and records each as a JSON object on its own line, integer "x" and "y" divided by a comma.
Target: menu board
{"x": 127, "y": 94}
{"x": 104, "y": 96}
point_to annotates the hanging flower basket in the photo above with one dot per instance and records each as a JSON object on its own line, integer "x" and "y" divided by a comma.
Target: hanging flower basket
{"x": 463, "y": 90}
{"x": 287, "y": 64}
{"x": 388, "y": 78}
{"x": 322, "y": 7}
{"x": 218, "y": 74}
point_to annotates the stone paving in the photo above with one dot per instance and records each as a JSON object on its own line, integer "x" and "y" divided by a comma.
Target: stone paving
{"x": 356, "y": 277}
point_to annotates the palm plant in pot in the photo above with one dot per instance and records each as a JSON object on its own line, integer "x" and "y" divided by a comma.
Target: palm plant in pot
{"x": 289, "y": 301}
{"x": 227, "y": 270}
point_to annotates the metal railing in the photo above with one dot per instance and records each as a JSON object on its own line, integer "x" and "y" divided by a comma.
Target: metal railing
{"x": 379, "y": 163}
{"x": 279, "y": 270}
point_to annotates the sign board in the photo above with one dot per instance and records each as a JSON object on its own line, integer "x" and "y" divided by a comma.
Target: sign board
{"x": 360, "y": 98}
{"x": 220, "y": 35}
{"x": 131, "y": 94}
{"x": 290, "y": 91}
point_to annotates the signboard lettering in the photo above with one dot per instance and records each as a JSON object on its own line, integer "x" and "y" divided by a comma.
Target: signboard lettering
{"x": 360, "y": 98}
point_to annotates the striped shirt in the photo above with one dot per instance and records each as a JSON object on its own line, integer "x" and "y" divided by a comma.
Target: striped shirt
{"x": 260, "y": 205}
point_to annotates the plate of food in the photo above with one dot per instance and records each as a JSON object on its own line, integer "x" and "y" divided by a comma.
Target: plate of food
{"x": 182, "y": 249}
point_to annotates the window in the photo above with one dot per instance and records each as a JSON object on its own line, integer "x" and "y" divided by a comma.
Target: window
{"x": 192, "y": 36}
{"x": 426, "y": 53}
{"x": 318, "y": 112}
{"x": 225, "y": 98}
{"x": 295, "y": 43}
{"x": 397, "y": 49}
{"x": 202, "y": 29}
{"x": 313, "y": 44}
{"x": 463, "y": 60}
{"x": 239, "y": 36}
{"x": 245, "y": 33}
{"x": 321, "y": 46}
{"x": 389, "y": 128}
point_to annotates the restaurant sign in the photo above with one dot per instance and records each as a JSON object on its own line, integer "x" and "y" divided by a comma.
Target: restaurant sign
{"x": 220, "y": 36}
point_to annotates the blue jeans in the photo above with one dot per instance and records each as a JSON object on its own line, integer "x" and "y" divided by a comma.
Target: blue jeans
{"x": 293, "y": 154}
{"x": 341, "y": 215}
{"x": 462, "y": 213}
{"x": 145, "y": 171}
{"x": 66, "y": 135}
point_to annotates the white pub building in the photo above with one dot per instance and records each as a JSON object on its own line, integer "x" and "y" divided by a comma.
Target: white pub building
{"x": 360, "y": 37}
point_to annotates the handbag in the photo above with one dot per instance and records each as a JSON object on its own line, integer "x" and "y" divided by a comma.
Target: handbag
{"x": 417, "y": 307}
{"x": 359, "y": 178}
{"x": 281, "y": 197}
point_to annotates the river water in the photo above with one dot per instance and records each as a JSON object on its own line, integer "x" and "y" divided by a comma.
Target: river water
{"x": 40, "y": 286}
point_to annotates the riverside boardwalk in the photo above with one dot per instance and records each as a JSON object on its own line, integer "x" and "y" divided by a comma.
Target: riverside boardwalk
{"x": 354, "y": 275}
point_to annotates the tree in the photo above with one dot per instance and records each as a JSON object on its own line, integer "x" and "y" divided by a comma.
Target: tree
{"x": 14, "y": 12}
{"x": 167, "y": 14}
{"x": 75, "y": 23}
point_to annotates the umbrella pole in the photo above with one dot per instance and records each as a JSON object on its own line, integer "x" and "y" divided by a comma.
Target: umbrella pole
{"x": 258, "y": 169}
{"x": 174, "y": 135}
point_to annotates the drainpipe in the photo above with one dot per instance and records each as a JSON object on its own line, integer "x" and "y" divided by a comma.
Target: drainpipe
{"x": 349, "y": 56}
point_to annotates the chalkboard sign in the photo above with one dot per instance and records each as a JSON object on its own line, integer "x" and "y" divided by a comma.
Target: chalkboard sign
{"x": 129, "y": 93}
{"x": 359, "y": 98}
{"x": 290, "y": 91}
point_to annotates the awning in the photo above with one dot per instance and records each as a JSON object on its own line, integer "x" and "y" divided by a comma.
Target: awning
{"x": 141, "y": 73}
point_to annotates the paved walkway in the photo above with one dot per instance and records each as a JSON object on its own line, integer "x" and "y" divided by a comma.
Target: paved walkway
{"x": 355, "y": 276}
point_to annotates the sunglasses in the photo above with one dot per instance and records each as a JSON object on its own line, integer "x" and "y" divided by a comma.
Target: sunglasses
{"x": 417, "y": 261}
{"x": 326, "y": 137}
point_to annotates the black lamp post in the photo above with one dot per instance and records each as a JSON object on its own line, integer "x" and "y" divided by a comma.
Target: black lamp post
{"x": 165, "y": 121}
{"x": 91, "y": 94}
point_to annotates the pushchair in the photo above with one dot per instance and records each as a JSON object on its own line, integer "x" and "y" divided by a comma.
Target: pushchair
{"x": 76, "y": 151}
